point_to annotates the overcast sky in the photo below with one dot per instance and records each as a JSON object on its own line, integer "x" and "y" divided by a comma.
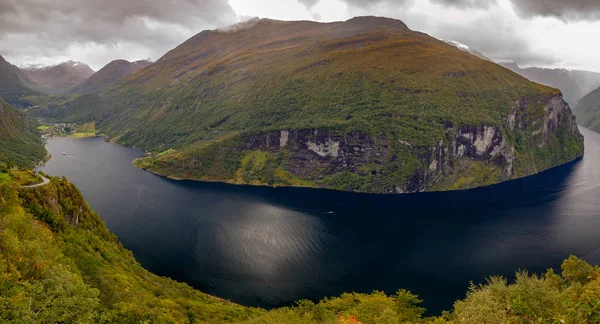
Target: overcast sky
{"x": 549, "y": 33}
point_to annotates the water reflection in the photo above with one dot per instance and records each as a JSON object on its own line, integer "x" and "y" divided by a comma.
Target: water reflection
{"x": 269, "y": 247}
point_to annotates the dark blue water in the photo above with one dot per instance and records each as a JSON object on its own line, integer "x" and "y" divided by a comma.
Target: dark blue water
{"x": 269, "y": 247}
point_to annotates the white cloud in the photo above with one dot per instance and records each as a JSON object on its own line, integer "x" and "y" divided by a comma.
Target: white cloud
{"x": 274, "y": 9}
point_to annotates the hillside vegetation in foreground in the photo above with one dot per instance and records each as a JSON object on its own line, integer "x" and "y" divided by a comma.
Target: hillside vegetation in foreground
{"x": 363, "y": 105}
{"x": 59, "y": 263}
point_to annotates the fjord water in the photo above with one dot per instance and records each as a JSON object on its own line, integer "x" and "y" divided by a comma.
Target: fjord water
{"x": 271, "y": 246}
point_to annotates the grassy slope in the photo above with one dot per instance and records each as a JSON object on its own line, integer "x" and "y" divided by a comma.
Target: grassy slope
{"x": 20, "y": 141}
{"x": 588, "y": 111}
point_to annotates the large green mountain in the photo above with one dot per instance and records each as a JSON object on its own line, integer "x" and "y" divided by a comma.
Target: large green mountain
{"x": 362, "y": 105}
{"x": 20, "y": 142}
{"x": 588, "y": 111}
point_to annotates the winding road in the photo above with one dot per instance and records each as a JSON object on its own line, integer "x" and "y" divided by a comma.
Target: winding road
{"x": 44, "y": 182}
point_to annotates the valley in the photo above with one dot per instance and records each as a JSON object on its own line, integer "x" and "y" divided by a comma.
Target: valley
{"x": 310, "y": 170}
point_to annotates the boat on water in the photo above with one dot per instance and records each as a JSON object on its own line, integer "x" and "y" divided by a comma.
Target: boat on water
{"x": 63, "y": 153}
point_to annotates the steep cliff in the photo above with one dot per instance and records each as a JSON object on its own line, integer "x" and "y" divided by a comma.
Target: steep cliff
{"x": 465, "y": 156}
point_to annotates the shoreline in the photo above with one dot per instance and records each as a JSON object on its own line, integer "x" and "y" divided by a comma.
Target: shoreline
{"x": 175, "y": 178}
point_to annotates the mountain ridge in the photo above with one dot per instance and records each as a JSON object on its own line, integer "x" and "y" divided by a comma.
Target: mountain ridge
{"x": 574, "y": 84}
{"x": 109, "y": 75}
{"x": 60, "y": 78}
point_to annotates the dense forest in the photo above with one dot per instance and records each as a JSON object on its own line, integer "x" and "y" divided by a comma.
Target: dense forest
{"x": 59, "y": 263}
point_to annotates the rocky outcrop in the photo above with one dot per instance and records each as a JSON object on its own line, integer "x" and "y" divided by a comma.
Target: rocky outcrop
{"x": 315, "y": 154}
{"x": 536, "y": 133}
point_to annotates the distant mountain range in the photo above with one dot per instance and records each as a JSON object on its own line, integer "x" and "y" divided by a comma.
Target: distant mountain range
{"x": 574, "y": 84}
{"x": 31, "y": 84}
{"x": 58, "y": 79}
{"x": 110, "y": 74}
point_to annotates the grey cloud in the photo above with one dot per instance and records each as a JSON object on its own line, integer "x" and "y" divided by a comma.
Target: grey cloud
{"x": 466, "y": 3}
{"x": 308, "y": 3}
{"x": 51, "y": 27}
{"x": 490, "y": 34}
{"x": 507, "y": 41}
{"x": 565, "y": 10}
{"x": 448, "y": 3}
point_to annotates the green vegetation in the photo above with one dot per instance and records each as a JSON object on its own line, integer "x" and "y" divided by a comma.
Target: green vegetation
{"x": 68, "y": 130}
{"x": 59, "y": 263}
{"x": 20, "y": 141}
{"x": 588, "y": 111}
{"x": 24, "y": 177}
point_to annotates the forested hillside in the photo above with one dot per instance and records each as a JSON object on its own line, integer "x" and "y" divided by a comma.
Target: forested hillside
{"x": 363, "y": 105}
{"x": 59, "y": 263}
{"x": 14, "y": 84}
{"x": 20, "y": 143}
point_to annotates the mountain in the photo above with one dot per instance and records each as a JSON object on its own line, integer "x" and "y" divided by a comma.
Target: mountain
{"x": 20, "y": 142}
{"x": 574, "y": 84}
{"x": 112, "y": 73}
{"x": 588, "y": 111}
{"x": 14, "y": 84}
{"x": 60, "y": 78}
{"x": 364, "y": 105}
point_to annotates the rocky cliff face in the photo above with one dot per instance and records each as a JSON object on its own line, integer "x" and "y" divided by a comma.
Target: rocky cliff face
{"x": 466, "y": 156}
